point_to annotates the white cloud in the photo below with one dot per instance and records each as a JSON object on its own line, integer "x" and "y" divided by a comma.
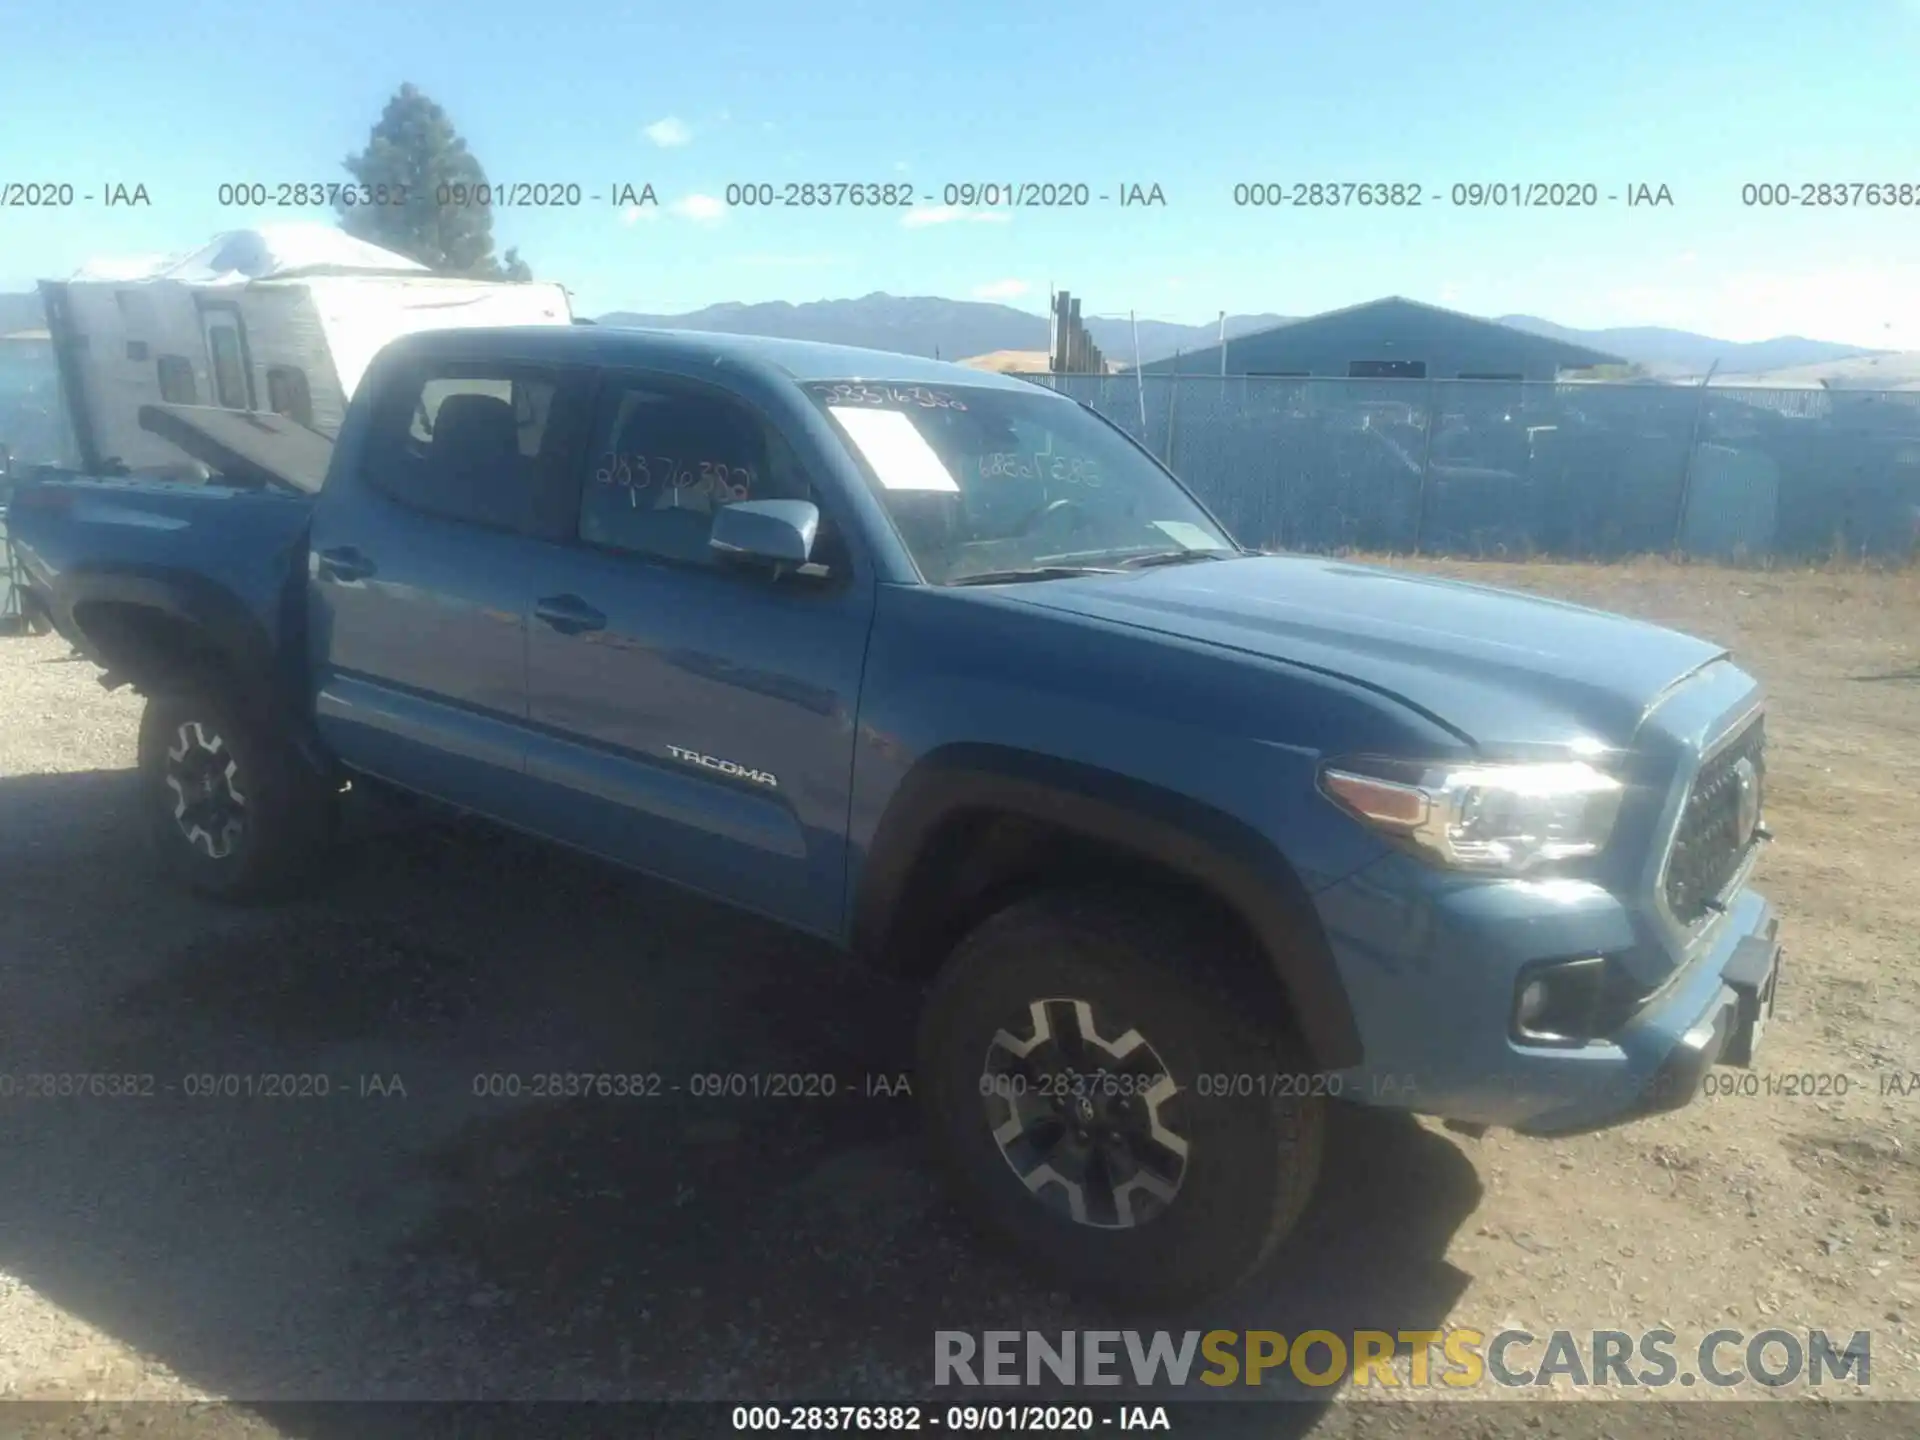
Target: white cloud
{"x": 668, "y": 132}
{"x": 922, "y": 216}
{"x": 703, "y": 208}
{"x": 634, "y": 214}
{"x": 901, "y": 166}
{"x": 1001, "y": 290}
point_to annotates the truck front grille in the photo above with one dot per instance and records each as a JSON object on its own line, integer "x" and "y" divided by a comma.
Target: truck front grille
{"x": 1712, "y": 841}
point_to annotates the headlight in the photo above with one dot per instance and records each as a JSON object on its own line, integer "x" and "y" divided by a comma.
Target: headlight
{"x": 1507, "y": 818}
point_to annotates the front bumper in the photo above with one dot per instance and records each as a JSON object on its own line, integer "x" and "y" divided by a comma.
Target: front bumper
{"x": 1431, "y": 971}
{"x": 1727, "y": 1032}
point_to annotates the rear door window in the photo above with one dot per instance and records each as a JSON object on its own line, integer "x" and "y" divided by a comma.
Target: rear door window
{"x": 474, "y": 442}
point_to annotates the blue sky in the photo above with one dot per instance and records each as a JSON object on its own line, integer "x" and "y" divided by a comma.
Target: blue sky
{"x": 1194, "y": 95}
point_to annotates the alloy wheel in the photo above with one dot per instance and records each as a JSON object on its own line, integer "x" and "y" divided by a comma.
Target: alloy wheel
{"x": 1086, "y": 1123}
{"x": 208, "y": 807}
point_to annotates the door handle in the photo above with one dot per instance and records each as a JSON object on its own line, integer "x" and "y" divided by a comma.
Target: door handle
{"x": 344, "y": 563}
{"x": 569, "y": 614}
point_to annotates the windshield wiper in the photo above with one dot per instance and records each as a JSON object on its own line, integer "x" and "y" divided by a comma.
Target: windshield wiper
{"x": 1032, "y": 572}
{"x": 1174, "y": 557}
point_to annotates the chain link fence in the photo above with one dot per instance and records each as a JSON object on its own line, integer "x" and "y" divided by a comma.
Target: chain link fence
{"x": 1478, "y": 467}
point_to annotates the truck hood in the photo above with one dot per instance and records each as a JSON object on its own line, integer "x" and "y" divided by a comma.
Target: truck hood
{"x": 1499, "y": 668}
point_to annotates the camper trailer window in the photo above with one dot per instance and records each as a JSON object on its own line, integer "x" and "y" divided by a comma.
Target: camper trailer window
{"x": 177, "y": 385}
{"x": 288, "y": 395}
{"x": 229, "y": 370}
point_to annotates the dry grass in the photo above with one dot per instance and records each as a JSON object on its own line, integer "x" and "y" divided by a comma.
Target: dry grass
{"x": 1838, "y": 648}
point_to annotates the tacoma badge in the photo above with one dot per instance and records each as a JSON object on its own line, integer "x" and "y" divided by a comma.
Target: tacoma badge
{"x": 725, "y": 767}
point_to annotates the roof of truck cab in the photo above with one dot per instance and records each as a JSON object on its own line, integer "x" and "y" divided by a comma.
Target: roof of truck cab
{"x": 799, "y": 360}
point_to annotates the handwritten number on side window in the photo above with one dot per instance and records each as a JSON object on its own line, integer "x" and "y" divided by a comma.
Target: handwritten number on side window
{"x": 636, "y": 473}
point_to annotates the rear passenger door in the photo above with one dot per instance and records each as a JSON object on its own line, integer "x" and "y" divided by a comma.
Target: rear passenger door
{"x": 689, "y": 717}
{"x": 419, "y": 576}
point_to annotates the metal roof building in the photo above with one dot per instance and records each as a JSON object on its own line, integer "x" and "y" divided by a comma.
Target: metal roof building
{"x": 1392, "y": 338}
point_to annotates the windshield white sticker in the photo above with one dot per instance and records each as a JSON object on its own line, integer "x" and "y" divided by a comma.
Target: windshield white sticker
{"x": 898, "y": 452}
{"x": 1187, "y": 537}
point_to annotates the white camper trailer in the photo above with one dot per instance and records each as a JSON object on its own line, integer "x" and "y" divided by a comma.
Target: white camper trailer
{"x": 281, "y": 319}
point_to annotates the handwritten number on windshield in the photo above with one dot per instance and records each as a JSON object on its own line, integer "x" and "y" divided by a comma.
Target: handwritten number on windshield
{"x": 1062, "y": 469}
{"x": 903, "y": 395}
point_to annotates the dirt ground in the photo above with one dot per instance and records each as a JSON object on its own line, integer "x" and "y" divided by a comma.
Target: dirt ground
{"x": 406, "y": 1237}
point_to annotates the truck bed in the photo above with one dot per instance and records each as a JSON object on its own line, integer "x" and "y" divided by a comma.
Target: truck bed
{"x": 220, "y": 555}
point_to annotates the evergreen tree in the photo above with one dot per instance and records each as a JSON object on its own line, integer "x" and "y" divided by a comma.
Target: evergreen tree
{"x": 415, "y": 152}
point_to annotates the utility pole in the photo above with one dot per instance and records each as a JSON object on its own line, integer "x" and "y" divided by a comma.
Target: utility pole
{"x": 1693, "y": 447}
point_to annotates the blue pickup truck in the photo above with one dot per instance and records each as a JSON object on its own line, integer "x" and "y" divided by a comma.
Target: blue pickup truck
{"x": 1191, "y": 846}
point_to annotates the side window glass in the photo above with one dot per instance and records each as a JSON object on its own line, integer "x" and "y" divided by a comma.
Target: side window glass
{"x": 467, "y": 443}
{"x": 662, "y": 462}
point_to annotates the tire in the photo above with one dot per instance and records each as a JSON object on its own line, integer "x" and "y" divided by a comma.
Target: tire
{"x": 1251, "y": 1159}
{"x": 258, "y": 849}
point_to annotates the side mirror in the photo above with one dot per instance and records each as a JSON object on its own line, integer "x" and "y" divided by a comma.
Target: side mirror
{"x": 779, "y": 533}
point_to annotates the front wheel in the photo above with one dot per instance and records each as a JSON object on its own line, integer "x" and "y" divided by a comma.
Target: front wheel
{"x": 231, "y": 810}
{"x": 1102, "y": 1104}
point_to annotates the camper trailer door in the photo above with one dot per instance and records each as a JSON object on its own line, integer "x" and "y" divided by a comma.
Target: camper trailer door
{"x": 227, "y": 359}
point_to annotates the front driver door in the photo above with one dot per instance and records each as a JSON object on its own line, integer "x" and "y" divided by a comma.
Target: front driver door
{"x": 688, "y": 717}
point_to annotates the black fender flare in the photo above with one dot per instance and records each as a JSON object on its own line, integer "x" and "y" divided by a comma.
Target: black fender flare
{"x": 1184, "y": 836}
{"x": 208, "y": 610}
{"x": 250, "y": 658}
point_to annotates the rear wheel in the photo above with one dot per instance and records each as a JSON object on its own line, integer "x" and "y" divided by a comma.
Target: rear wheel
{"x": 232, "y": 812}
{"x": 1104, "y": 1104}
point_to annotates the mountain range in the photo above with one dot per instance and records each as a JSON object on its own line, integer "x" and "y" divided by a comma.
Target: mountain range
{"x": 1681, "y": 352}
{"x": 21, "y": 312}
{"x": 961, "y": 329}
{"x": 936, "y": 328}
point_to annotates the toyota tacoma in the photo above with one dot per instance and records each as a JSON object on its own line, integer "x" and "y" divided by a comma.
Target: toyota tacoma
{"x": 1191, "y": 846}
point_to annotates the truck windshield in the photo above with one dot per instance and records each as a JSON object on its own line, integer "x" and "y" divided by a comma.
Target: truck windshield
{"x": 989, "y": 482}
